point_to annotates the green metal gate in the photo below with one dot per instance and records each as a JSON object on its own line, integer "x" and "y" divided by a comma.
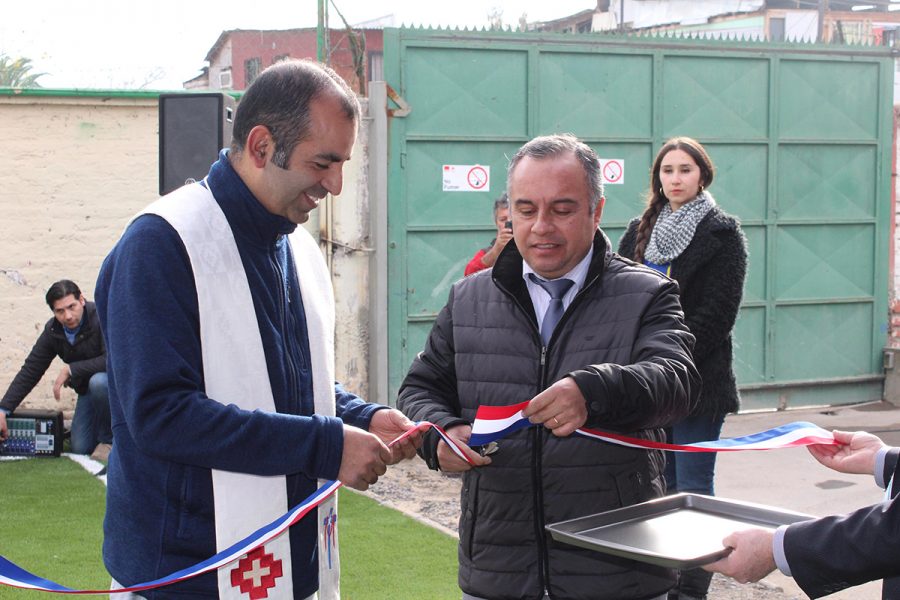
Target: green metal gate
{"x": 800, "y": 134}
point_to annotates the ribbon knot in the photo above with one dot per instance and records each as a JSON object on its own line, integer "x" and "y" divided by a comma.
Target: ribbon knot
{"x": 557, "y": 288}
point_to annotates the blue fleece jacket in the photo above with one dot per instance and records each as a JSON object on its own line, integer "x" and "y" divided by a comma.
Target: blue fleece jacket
{"x": 169, "y": 434}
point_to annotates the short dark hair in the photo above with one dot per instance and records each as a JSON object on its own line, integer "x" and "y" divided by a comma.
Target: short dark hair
{"x": 60, "y": 290}
{"x": 551, "y": 146}
{"x": 279, "y": 100}
{"x": 501, "y": 202}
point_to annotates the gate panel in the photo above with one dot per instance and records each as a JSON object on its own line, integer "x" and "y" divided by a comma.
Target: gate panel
{"x": 602, "y": 96}
{"x": 755, "y": 281}
{"x": 825, "y": 262}
{"x": 827, "y": 182}
{"x": 461, "y": 91}
{"x": 741, "y": 182}
{"x": 433, "y": 207}
{"x": 624, "y": 201}
{"x": 800, "y": 135}
{"x": 750, "y": 345}
{"x": 705, "y": 95}
{"x": 830, "y": 341}
{"x": 825, "y": 99}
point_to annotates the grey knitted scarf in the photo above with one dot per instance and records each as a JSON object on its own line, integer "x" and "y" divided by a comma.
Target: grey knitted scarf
{"x": 675, "y": 230}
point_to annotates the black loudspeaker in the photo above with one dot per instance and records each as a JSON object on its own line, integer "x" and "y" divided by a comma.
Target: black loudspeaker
{"x": 193, "y": 128}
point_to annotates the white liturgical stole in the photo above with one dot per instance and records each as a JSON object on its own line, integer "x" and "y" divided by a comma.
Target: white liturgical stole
{"x": 234, "y": 368}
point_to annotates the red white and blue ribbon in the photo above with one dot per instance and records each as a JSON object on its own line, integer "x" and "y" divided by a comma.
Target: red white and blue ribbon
{"x": 491, "y": 423}
{"x": 15, "y": 576}
{"x": 495, "y": 422}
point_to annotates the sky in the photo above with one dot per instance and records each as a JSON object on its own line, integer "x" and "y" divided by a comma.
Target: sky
{"x": 113, "y": 44}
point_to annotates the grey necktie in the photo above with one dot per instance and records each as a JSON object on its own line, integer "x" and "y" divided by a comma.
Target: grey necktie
{"x": 557, "y": 289}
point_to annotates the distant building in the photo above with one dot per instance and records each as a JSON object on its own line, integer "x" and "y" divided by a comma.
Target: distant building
{"x": 827, "y": 21}
{"x": 239, "y": 55}
{"x": 842, "y": 21}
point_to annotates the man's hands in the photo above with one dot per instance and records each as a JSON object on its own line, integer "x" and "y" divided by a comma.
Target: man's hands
{"x": 561, "y": 408}
{"x": 364, "y": 460}
{"x": 855, "y": 455}
{"x": 751, "y": 557}
{"x": 61, "y": 380}
{"x": 449, "y": 461}
{"x": 366, "y": 454}
{"x": 388, "y": 425}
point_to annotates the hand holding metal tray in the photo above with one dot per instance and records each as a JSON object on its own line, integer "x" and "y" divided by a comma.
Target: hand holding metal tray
{"x": 681, "y": 531}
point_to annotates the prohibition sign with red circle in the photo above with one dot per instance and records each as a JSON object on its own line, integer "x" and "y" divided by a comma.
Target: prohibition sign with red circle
{"x": 612, "y": 171}
{"x": 477, "y": 177}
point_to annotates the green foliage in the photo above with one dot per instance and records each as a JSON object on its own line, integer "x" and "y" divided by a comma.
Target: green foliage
{"x": 16, "y": 73}
{"x": 53, "y": 516}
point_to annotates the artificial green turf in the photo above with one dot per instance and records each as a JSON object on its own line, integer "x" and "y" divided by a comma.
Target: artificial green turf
{"x": 387, "y": 555}
{"x": 53, "y": 518}
{"x": 52, "y": 523}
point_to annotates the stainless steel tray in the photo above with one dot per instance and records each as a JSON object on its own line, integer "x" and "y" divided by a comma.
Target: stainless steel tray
{"x": 680, "y": 531}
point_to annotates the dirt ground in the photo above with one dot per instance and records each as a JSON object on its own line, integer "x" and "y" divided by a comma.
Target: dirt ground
{"x": 433, "y": 498}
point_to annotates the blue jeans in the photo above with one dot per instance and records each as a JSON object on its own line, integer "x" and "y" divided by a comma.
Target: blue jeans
{"x": 91, "y": 422}
{"x": 692, "y": 471}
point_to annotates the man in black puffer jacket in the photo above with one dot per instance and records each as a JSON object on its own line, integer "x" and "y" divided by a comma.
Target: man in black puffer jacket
{"x": 619, "y": 358}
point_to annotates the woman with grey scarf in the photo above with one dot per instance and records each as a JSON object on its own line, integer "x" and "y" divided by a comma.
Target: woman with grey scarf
{"x": 685, "y": 235}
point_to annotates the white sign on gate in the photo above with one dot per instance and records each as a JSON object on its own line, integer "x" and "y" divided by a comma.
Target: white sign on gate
{"x": 466, "y": 178}
{"x": 613, "y": 170}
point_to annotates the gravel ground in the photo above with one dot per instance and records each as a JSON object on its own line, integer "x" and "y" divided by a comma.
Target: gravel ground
{"x": 433, "y": 498}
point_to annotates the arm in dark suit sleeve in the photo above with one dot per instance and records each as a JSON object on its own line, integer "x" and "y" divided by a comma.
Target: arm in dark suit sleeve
{"x": 892, "y": 469}
{"x": 829, "y": 554}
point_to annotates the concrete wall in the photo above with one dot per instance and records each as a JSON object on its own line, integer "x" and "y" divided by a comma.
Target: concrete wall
{"x": 346, "y": 238}
{"x": 77, "y": 168}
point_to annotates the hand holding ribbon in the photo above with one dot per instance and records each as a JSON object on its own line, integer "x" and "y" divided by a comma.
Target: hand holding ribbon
{"x": 560, "y": 408}
{"x": 855, "y": 454}
{"x": 454, "y": 454}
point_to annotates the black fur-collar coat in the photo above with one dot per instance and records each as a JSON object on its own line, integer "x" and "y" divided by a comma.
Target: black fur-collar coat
{"x": 710, "y": 273}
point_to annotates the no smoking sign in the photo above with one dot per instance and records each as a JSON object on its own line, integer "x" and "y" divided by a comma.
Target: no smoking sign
{"x": 466, "y": 178}
{"x": 612, "y": 170}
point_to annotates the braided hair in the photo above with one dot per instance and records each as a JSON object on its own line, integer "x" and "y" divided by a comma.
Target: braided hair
{"x": 656, "y": 199}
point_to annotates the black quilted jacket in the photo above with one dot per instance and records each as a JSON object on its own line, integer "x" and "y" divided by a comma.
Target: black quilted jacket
{"x": 710, "y": 273}
{"x": 625, "y": 343}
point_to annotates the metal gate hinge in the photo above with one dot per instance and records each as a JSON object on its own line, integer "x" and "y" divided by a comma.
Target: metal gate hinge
{"x": 404, "y": 109}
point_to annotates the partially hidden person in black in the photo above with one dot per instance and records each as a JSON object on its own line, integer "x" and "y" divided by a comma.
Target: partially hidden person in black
{"x": 685, "y": 235}
{"x": 830, "y": 554}
{"x": 73, "y": 334}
